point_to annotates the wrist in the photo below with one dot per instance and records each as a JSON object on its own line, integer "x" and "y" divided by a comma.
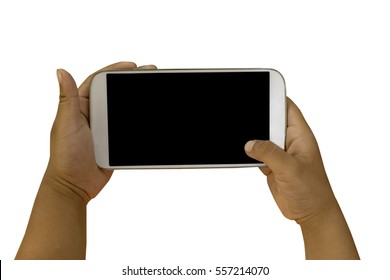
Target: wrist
{"x": 327, "y": 236}
{"x": 321, "y": 216}
{"x": 57, "y": 225}
{"x": 64, "y": 189}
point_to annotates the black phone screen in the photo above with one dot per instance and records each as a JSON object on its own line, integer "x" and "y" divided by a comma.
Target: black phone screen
{"x": 185, "y": 118}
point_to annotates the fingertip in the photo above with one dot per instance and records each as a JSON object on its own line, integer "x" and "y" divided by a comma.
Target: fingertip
{"x": 67, "y": 83}
{"x": 267, "y": 152}
{"x": 62, "y": 75}
{"x": 147, "y": 67}
{"x": 59, "y": 76}
{"x": 249, "y": 146}
{"x": 265, "y": 170}
{"x": 129, "y": 64}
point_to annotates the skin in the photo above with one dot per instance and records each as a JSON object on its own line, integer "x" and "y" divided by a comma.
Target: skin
{"x": 296, "y": 177}
{"x": 301, "y": 189}
{"x": 57, "y": 225}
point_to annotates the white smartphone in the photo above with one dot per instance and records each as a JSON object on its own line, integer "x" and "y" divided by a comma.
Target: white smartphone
{"x": 185, "y": 118}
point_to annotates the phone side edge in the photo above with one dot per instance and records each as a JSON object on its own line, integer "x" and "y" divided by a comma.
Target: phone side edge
{"x": 278, "y": 108}
{"x": 98, "y": 119}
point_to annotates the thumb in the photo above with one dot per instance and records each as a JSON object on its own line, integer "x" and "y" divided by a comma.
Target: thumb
{"x": 269, "y": 153}
{"x": 69, "y": 106}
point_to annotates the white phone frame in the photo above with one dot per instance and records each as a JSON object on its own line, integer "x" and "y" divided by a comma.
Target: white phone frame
{"x": 99, "y": 122}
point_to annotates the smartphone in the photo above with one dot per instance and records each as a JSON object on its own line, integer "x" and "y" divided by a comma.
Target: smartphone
{"x": 185, "y": 118}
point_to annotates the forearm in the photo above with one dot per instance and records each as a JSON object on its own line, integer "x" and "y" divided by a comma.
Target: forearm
{"x": 57, "y": 225}
{"x": 329, "y": 238}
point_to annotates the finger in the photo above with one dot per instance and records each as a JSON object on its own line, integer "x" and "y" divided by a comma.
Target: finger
{"x": 295, "y": 119}
{"x": 294, "y": 115}
{"x": 299, "y": 135}
{"x": 69, "y": 105}
{"x": 265, "y": 170}
{"x": 68, "y": 89}
{"x": 84, "y": 88}
{"x": 269, "y": 153}
{"x": 147, "y": 67}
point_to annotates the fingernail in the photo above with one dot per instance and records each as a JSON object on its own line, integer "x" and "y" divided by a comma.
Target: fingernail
{"x": 59, "y": 76}
{"x": 249, "y": 146}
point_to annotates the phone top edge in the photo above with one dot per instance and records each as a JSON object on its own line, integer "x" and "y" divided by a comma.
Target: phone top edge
{"x": 192, "y": 70}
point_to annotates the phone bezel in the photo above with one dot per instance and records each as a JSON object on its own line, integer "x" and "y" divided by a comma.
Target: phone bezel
{"x": 99, "y": 122}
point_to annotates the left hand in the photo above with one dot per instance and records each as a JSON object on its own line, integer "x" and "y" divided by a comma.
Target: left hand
{"x": 72, "y": 161}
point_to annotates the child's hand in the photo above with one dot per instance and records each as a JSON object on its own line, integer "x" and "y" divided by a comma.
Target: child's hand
{"x": 300, "y": 187}
{"x": 72, "y": 161}
{"x": 296, "y": 177}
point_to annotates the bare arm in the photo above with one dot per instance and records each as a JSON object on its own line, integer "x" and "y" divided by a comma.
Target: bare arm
{"x": 57, "y": 226}
{"x": 329, "y": 237}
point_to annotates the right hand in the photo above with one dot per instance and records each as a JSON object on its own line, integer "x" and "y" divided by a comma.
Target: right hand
{"x": 296, "y": 177}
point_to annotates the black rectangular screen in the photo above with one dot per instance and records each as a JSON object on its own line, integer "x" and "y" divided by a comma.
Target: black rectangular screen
{"x": 191, "y": 118}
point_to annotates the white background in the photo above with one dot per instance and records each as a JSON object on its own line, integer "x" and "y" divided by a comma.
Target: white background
{"x": 335, "y": 58}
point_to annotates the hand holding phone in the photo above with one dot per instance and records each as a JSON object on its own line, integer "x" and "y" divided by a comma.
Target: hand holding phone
{"x": 200, "y": 117}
